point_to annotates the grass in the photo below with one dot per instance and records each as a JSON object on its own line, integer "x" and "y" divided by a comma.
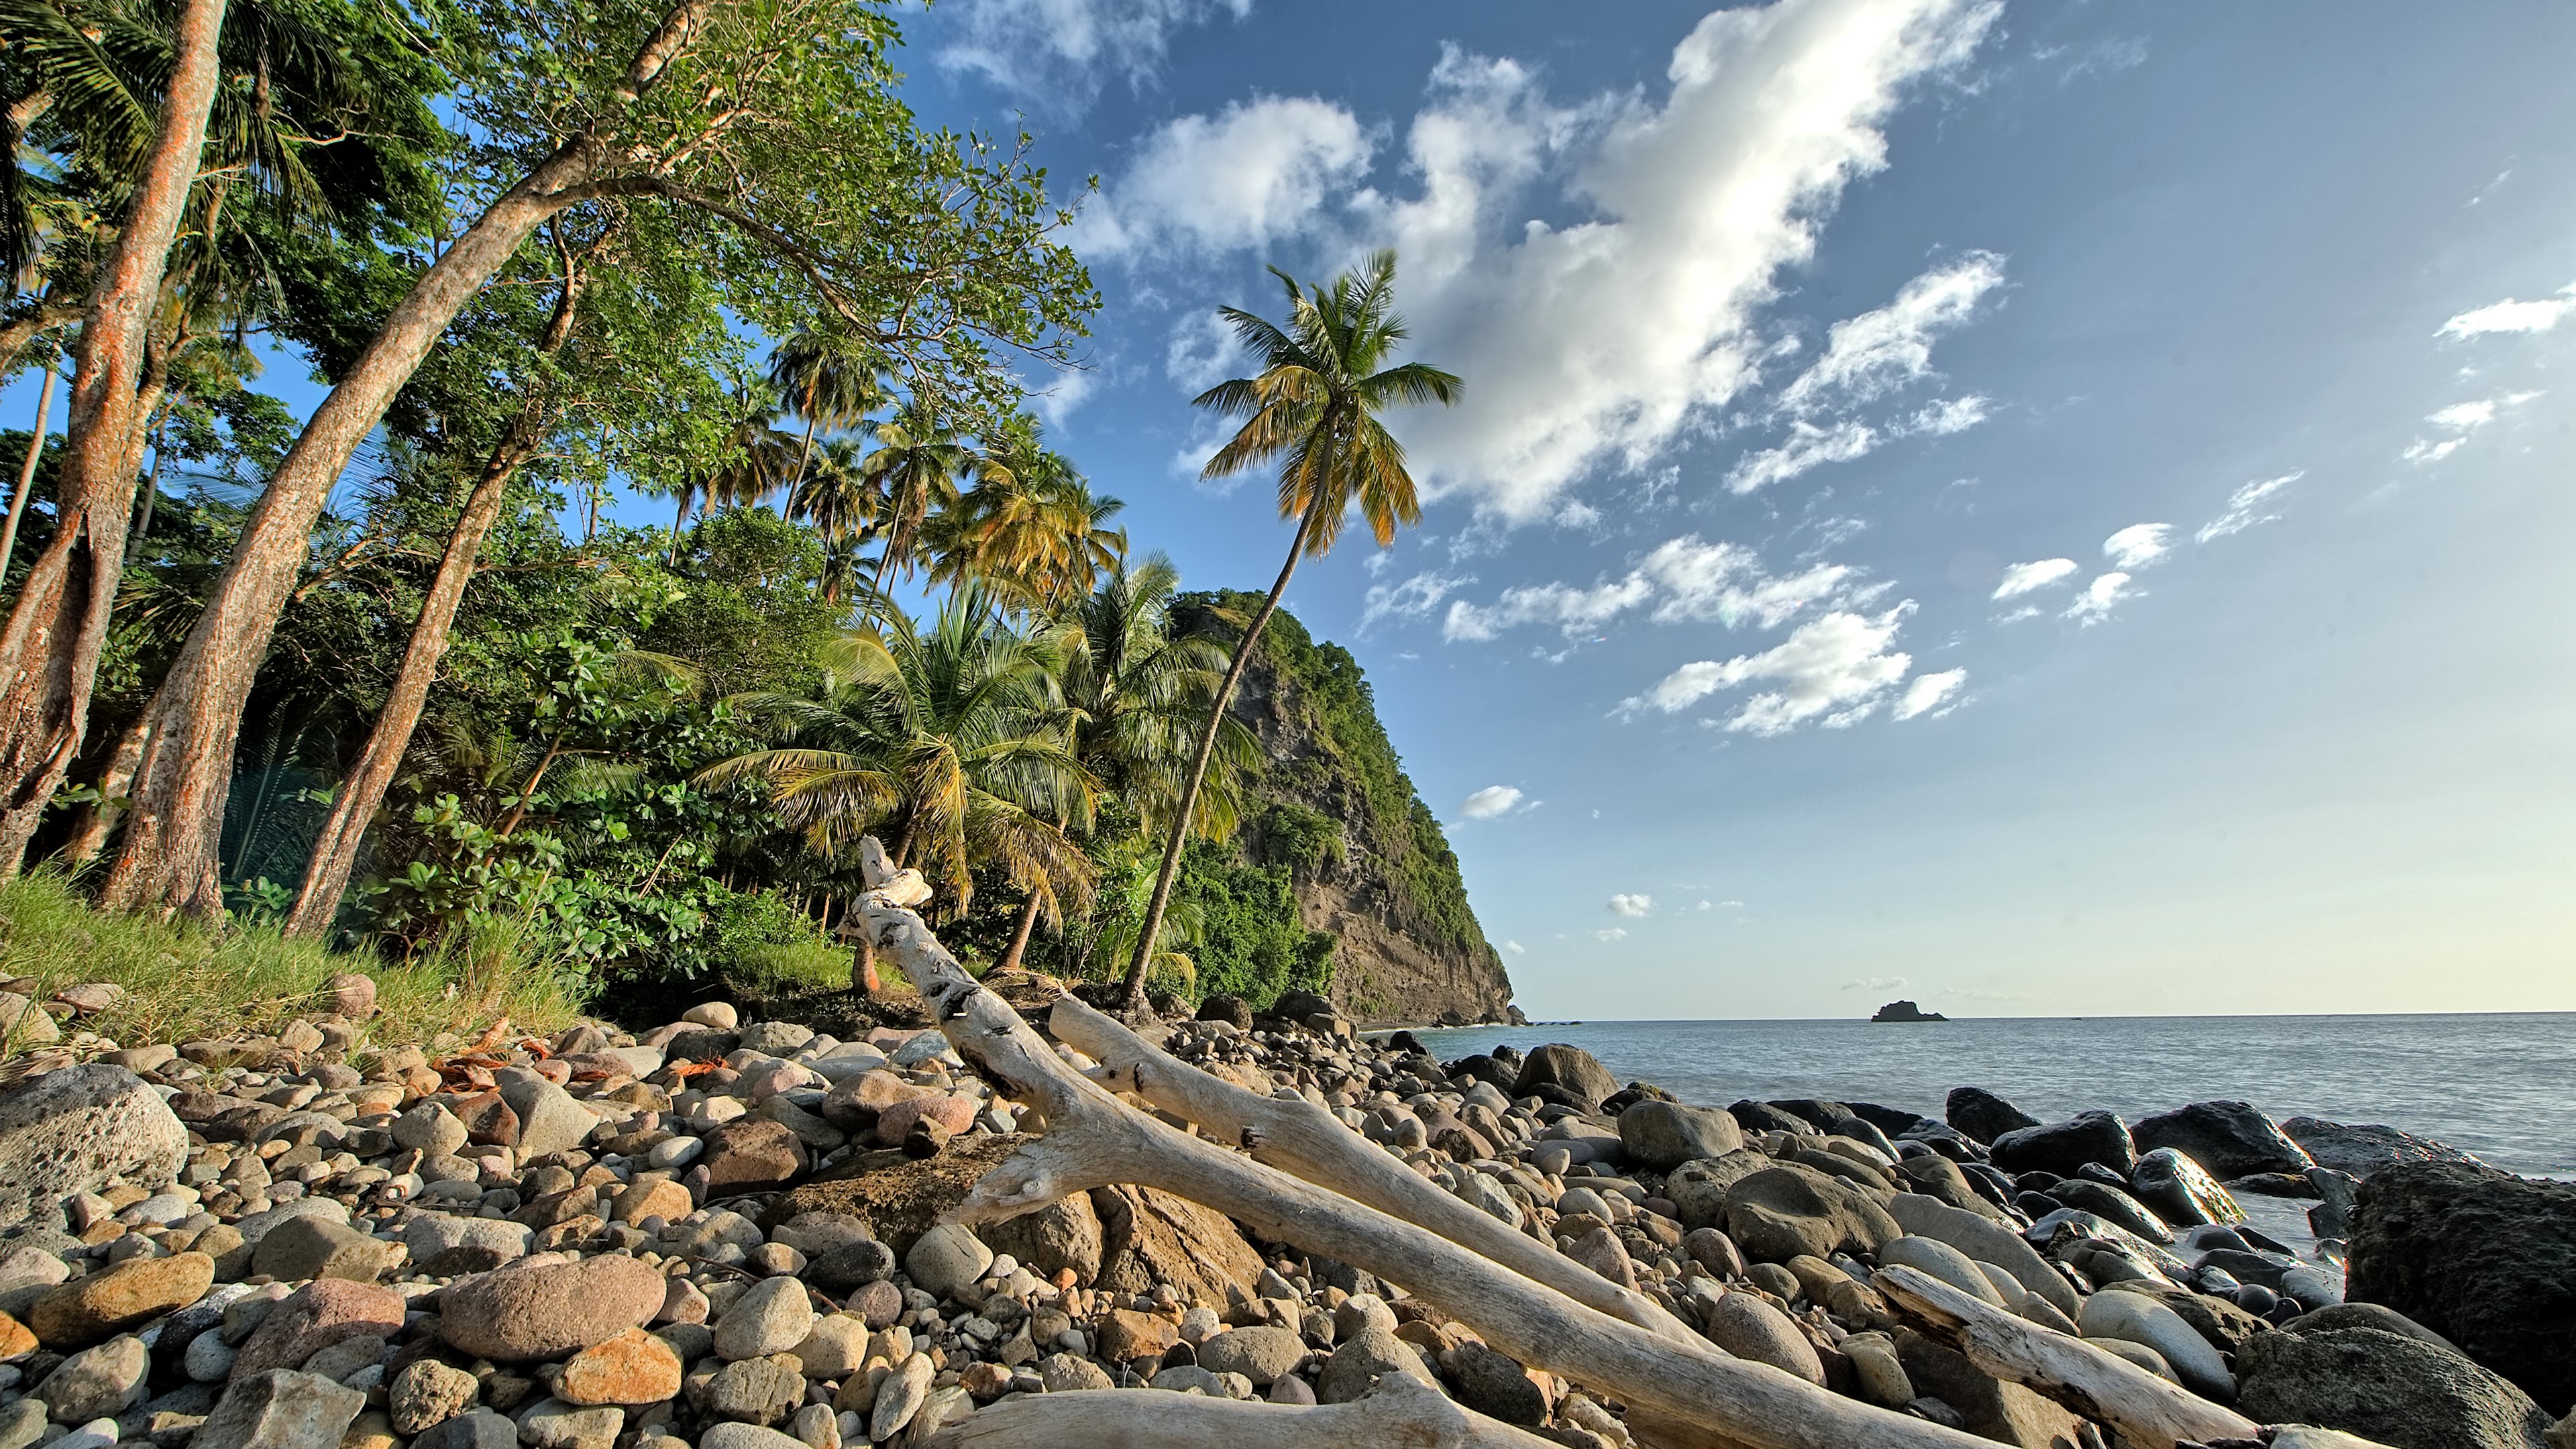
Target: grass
{"x": 184, "y": 981}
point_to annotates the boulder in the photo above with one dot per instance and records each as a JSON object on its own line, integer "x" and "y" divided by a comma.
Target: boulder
{"x": 539, "y": 1310}
{"x": 1697, "y": 1190}
{"x": 1748, "y": 1326}
{"x": 2387, "y": 1388}
{"x": 750, "y": 1153}
{"x": 2231, "y": 1139}
{"x": 550, "y": 1121}
{"x": 97, "y": 1382}
{"x": 772, "y": 1317}
{"x": 1261, "y": 1353}
{"x": 450, "y": 1246}
{"x": 131, "y": 1293}
{"x": 895, "y": 1196}
{"x": 280, "y": 1409}
{"x": 1151, "y": 1238}
{"x": 1358, "y": 1362}
{"x": 81, "y": 1129}
{"x": 1571, "y": 1070}
{"x": 2179, "y": 1190}
{"x": 1064, "y": 1235}
{"x": 2141, "y": 1319}
{"x": 1494, "y": 1384}
{"x": 2361, "y": 1149}
{"x": 2112, "y": 1205}
{"x": 1940, "y": 1260}
{"x": 1984, "y": 1241}
{"x": 2481, "y": 1257}
{"x": 1983, "y": 1115}
{"x": 1780, "y": 1212}
{"x": 945, "y": 1259}
{"x": 1232, "y": 1010}
{"x": 1664, "y": 1135}
{"x": 2064, "y": 1147}
{"x": 314, "y": 1247}
{"x": 314, "y": 1317}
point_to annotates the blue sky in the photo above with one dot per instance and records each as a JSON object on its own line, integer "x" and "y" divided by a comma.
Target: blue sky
{"x": 2041, "y": 509}
{"x": 2033, "y": 508}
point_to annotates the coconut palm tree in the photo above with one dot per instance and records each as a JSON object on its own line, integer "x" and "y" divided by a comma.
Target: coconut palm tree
{"x": 951, "y": 743}
{"x": 1031, "y": 527}
{"x": 833, "y": 494}
{"x": 1313, "y": 409}
{"x": 915, "y": 466}
{"x": 830, "y": 380}
{"x": 755, "y": 461}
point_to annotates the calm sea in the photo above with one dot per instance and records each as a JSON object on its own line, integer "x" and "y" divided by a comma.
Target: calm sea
{"x": 2503, "y": 1087}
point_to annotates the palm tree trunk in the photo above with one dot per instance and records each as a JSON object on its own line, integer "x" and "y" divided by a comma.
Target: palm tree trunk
{"x": 58, "y": 626}
{"x": 1020, "y": 937}
{"x": 353, "y": 806}
{"x": 27, "y": 470}
{"x": 168, "y": 855}
{"x": 1138, "y": 969}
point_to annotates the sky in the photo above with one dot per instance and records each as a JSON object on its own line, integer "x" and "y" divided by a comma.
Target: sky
{"x": 2036, "y": 509}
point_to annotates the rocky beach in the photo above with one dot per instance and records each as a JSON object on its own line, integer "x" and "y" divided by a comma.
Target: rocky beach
{"x": 747, "y": 1235}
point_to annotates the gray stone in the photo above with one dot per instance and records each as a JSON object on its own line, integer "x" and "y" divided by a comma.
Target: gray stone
{"x": 2063, "y": 1147}
{"x": 2387, "y": 1388}
{"x": 1748, "y": 1326}
{"x": 1358, "y": 1362}
{"x": 2481, "y": 1257}
{"x": 836, "y": 1348}
{"x": 97, "y": 1382}
{"x": 757, "y": 1390}
{"x": 430, "y": 1128}
{"x": 1931, "y": 1255}
{"x": 350, "y": 1356}
{"x": 1985, "y": 1241}
{"x": 474, "y": 1429}
{"x": 2179, "y": 1191}
{"x": 1664, "y": 1135}
{"x": 1495, "y": 1385}
{"x": 900, "y": 1397}
{"x": 775, "y": 1038}
{"x": 23, "y": 1423}
{"x": 80, "y": 1129}
{"x": 857, "y": 1264}
{"x": 1697, "y": 1190}
{"x": 2139, "y": 1318}
{"x": 731, "y": 1435}
{"x": 1064, "y": 1372}
{"x": 2360, "y": 1149}
{"x": 1786, "y": 1210}
{"x": 1187, "y": 1378}
{"x": 553, "y": 1424}
{"x": 280, "y": 1409}
{"x": 1571, "y": 1070}
{"x": 550, "y": 1121}
{"x": 428, "y": 1393}
{"x": 945, "y": 1259}
{"x": 24, "y": 1024}
{"x": 1260, "y": 1353}
{"x": 311, "y": 1247}
{"x": 1983, "y": 1115}
{"x": 2231, "y": 1139}
{"x": 446, "y": 1246}
{"x": 2112, "y": 1205}
{"x": 773, "y": 1317}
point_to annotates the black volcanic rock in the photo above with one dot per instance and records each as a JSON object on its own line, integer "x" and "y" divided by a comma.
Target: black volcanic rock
{"x": 2064, "y": 1147}
{"x": 1906, "y": 1011}
{"x": 2482, "y": 1257}
{"x": 1983, "y": 1115}
{"x": 2231, "y": 1139}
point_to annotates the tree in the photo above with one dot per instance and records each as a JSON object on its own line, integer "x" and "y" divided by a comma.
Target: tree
{"x": 952, "y": 740}
{"x": 1031, "y": 526}
{"x": 830, "y": 380}
{"x": 915, "y": 467}
{"x": 834, "y": 494}
{"x": 1313, "y": 408}
{"x": 775, "y": 123}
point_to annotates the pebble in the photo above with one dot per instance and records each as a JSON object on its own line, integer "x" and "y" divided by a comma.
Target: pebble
{"x": 773, "y": 1317}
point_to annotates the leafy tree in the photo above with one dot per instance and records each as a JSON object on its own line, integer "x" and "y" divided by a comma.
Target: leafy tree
{"x": 1313, "y": 409}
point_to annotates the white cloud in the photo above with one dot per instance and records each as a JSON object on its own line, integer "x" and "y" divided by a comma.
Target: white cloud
{"x": 1684, "y": 579}
{"x": 1202, "y": 352}
{"x": 1255, "y": 172}
{"x": 2138, "y": 545}
{"x": 2099, "y": 597}
{"x": 1491, "y": 801}
{"x": 1730, "y": 905}
{"x": 1631, "y": 905}
{"x": 2022, "y": 578}
{"x": 1809, "y": 446}
{"x": 1950, "y": 415}
{"x": 1410, "y": 599}
{"x": 1837, "y": 670}
{"x": 1605, "y": 339}
{"x": 1876, "y": 983}
{"x": 1868, "y": 356}
{"x": 2512, "y": 316}
{"x": 1930, "y": 694}
{"x": 2245, "y": 506}
{"x": 1062, "y": 48}
{"x": 2460, "y": 420}
{"x": 1515, "y": 947}
{"x": 1613, "y": 933}
{"x": 1575, "y": 513}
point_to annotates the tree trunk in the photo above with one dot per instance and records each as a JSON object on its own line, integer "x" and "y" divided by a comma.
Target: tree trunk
{"x": 1020, "y": 937}
{"x": 353, "y": 806}
{"x": 27, "y": 470}
{"x": 863, "y": 966}
{"x": 58, "y": 626}
{"x": 168, "y": 858}
{"x": 1139, "y": 968}
{"x": 98, "y": 820}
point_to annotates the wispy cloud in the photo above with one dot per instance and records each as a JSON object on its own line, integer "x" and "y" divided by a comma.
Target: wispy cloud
{"x": 2023, "y": 578}
{"x": 1683, "y": 579}
{"x": 1835, "y": 670}
{"x": 2460, "y": 420}
{"x": 1876, "y": 983}
{"x": 1611, "y": 933}
{"x": 2246, "y": 506}
{"x": 1059, "y": 51}
{"x": 1932, "y": 694}
{"x": 2094, "y": 605}
{"x": 2510, "y": 315}
{"x": 1876, "y": 353}
{"x": 1412, "y": 598}
{"x": 2138, "y": 545}
{"x": 1516, "y": 948}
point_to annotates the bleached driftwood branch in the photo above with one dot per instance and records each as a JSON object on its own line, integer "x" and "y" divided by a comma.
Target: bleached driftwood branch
{"x": 1402, "y": 1412}
{"x": 1310, "y": 1142}
{"x": 1094, "y": 1140}
{"x": 2147, "y": 1410}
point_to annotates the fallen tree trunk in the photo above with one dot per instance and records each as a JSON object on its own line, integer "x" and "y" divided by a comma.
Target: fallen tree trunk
{"x": 1094, "y": 1140}
{"x": 1401, "y": 1413}
{"x": 2147, "y": 1410}
{"x": 1307, "y": 1140}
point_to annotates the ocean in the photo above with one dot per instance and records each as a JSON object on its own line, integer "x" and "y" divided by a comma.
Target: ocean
{"x": 2501, "y": 1086}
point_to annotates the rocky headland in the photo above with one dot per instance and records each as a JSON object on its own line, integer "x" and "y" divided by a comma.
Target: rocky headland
{"x": 742, "y": 1235}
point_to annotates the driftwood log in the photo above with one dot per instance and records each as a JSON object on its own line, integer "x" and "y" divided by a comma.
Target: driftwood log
{"x": 1402, "y": 1412}
{"x": 2147, "y": 1411}
{"x": 1092, "y": 1139}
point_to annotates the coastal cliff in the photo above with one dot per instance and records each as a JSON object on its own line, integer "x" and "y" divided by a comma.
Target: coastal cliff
{"x": 1364, "y": 859}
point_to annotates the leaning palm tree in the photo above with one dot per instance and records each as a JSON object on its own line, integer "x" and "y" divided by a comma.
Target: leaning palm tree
{"x": 830, "y": 380}
{"x": 834, "y": 494}
{"x": 916, "y": 464}
{"x": 951, "y": 743}
{"x": 1313, "y": 408}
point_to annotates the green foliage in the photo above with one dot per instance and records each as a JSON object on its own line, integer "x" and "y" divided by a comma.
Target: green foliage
{"x": 1300, "y": 836}
{"x": 1251, "y": 942}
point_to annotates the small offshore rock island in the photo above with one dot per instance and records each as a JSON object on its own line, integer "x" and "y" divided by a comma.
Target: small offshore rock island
{"x": 1906, "y": 1011}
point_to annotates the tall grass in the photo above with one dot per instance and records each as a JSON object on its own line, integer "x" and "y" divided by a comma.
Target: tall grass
{"x": 183, "y": 981}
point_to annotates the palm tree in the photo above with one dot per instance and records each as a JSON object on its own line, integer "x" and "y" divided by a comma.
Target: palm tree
{"x": 1032, "y": 527}
{"x": 834, "y": 494}
{"x": 915, "y": 466}
{"x": 753, "y": 461}
{"x": 953, "y": 743}
{"x": 829, "y": 380}
{"x": 1313, "y": 407}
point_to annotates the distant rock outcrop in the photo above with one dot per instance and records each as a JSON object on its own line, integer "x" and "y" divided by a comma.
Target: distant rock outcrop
{"x": 1906, "y": 1011}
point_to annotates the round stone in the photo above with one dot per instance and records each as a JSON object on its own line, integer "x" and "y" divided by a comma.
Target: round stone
{"x": 533, "y": 1311}
{"x": 773, "y": 1317}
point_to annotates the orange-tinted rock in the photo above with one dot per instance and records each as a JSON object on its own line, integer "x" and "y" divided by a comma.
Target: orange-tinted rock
{"x": 15, "y": 1339}
{"x": 1127, "y": 1334}
{"x": 316, "y": 1316}
{"x": 634, "y": 1367}
{"x": 653, "y": 1196}
{"x": 752, "y": 1152}
{"x": 87, "y": 1310}
{"x": 956, "y": 1114}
